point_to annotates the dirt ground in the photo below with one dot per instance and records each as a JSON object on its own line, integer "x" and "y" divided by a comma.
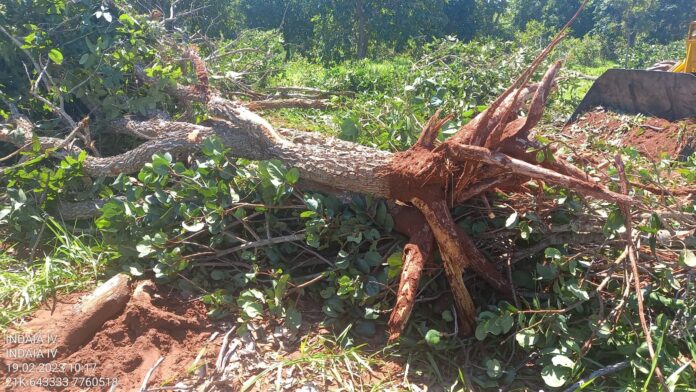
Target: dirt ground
{"x": 650, "y": 136}
{"x": 123, "y": 349}
{"x": 198, "y": 354}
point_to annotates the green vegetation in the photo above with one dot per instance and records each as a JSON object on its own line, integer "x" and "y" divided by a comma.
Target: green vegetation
{"x": 173, "y": 220}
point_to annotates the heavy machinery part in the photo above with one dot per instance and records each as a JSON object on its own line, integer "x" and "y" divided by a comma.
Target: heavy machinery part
{"x": 668, "y": 95}
{"x": 689, "y": 63}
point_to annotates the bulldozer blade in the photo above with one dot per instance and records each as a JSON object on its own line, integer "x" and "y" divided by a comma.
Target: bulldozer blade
{"x": 667, "y": 95}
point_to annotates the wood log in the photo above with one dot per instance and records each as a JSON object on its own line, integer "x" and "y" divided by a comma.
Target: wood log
{"x": 86, "y": 318}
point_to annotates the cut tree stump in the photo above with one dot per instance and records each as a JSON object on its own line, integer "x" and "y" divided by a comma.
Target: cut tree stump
{"x": 86, "y": 318}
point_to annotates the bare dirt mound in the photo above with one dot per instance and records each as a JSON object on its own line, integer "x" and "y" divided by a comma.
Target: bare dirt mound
{"x": 651, "y": 136}
{"x": 153, "y": 323}
{"x": 43, "y": 354}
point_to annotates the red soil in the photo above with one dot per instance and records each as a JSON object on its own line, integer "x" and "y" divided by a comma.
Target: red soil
{"x": 652, "y": 137}
{"x": 124, "y": 349}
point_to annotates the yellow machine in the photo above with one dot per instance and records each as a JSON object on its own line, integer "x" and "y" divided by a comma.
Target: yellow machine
{"x": 689, "y": 63}
{"x": 670, "y": 95}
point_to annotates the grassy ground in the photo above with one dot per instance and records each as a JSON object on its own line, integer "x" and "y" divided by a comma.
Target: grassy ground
{"x": 64, "y": 263}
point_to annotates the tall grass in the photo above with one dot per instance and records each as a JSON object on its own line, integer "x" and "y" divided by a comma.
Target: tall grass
{"x": 68, "y": 263}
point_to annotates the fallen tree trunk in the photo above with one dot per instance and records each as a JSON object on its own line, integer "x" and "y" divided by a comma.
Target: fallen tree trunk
{"x": 428, "y": 177}
{"x": 420, "y": 176}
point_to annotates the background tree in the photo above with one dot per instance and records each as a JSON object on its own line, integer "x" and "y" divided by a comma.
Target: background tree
{"x": 461, "y": 18}
{"x": 294, "y": 18}
{"x": 346, "y": 28}
{"x": 491, "y": 15}
{"x": 620, "y": 22}
{"x": 670, "y": 19}
{"x": 552, "y": 14}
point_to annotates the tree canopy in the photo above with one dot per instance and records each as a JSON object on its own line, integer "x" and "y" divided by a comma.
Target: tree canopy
{"x": 340, "y": 29}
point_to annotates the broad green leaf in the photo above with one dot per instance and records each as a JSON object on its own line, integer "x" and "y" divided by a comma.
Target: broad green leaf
{"x": 511, "y": 221}
{"x": 494, "y": 369}
{"x": 546, "y": 272}
{"x": 313, "y": 202}
{"x": 540, "y": 156}
{"x": 394, "y": 264}
{"x": 577, "y": 291}
{"x": 292, "y": 176}
{"x": 193, "y": 227}
{"x": 252, "y": 309}
{"x": 555, "y": 376}
{"x": 56, "y": 56}
{"x": 615, "y": 223}
{"x": 127, "y": 19}
{"x": 482, "y": 330}
{"x": 525, "y": 230}
{"x": 144, "y": 250}
{"x": 371, "y": 314}
{"x": 30, "y": 38}
{"x": 506, "y": 322}
{"x": 527, "y": 338}
{"x": 349, "y": 129}
{"x": 432, "y": 337}
{"x": 134, "y": 269}
{"x": 373, "y": 259}
{"x": 160, "y": 270}
{"x": 552, "y": 253}
{"x": 333, "y": 307}
{"x": 562, "y": 360}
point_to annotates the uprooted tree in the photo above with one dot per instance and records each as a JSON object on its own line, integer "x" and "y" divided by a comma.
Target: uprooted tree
{"x": 424, "y": 182}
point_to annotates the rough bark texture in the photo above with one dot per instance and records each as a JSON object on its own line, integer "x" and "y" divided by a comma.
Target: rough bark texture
{"x": 301, "y": 103}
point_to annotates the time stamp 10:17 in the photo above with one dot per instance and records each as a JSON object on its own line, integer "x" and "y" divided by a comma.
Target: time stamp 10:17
{"x": 52, "y": 375}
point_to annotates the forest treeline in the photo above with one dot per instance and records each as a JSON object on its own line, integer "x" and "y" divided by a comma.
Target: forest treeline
{"x": 336, "y": 30}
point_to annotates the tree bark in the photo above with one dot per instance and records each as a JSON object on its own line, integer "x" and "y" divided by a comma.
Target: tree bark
{"x": 362, "y": 28}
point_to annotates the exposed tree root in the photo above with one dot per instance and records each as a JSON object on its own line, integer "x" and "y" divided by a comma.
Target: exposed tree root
{"x": 466, "y": 153}
{"x": 454, "y": 258}
{"x": 416, "y": 253}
